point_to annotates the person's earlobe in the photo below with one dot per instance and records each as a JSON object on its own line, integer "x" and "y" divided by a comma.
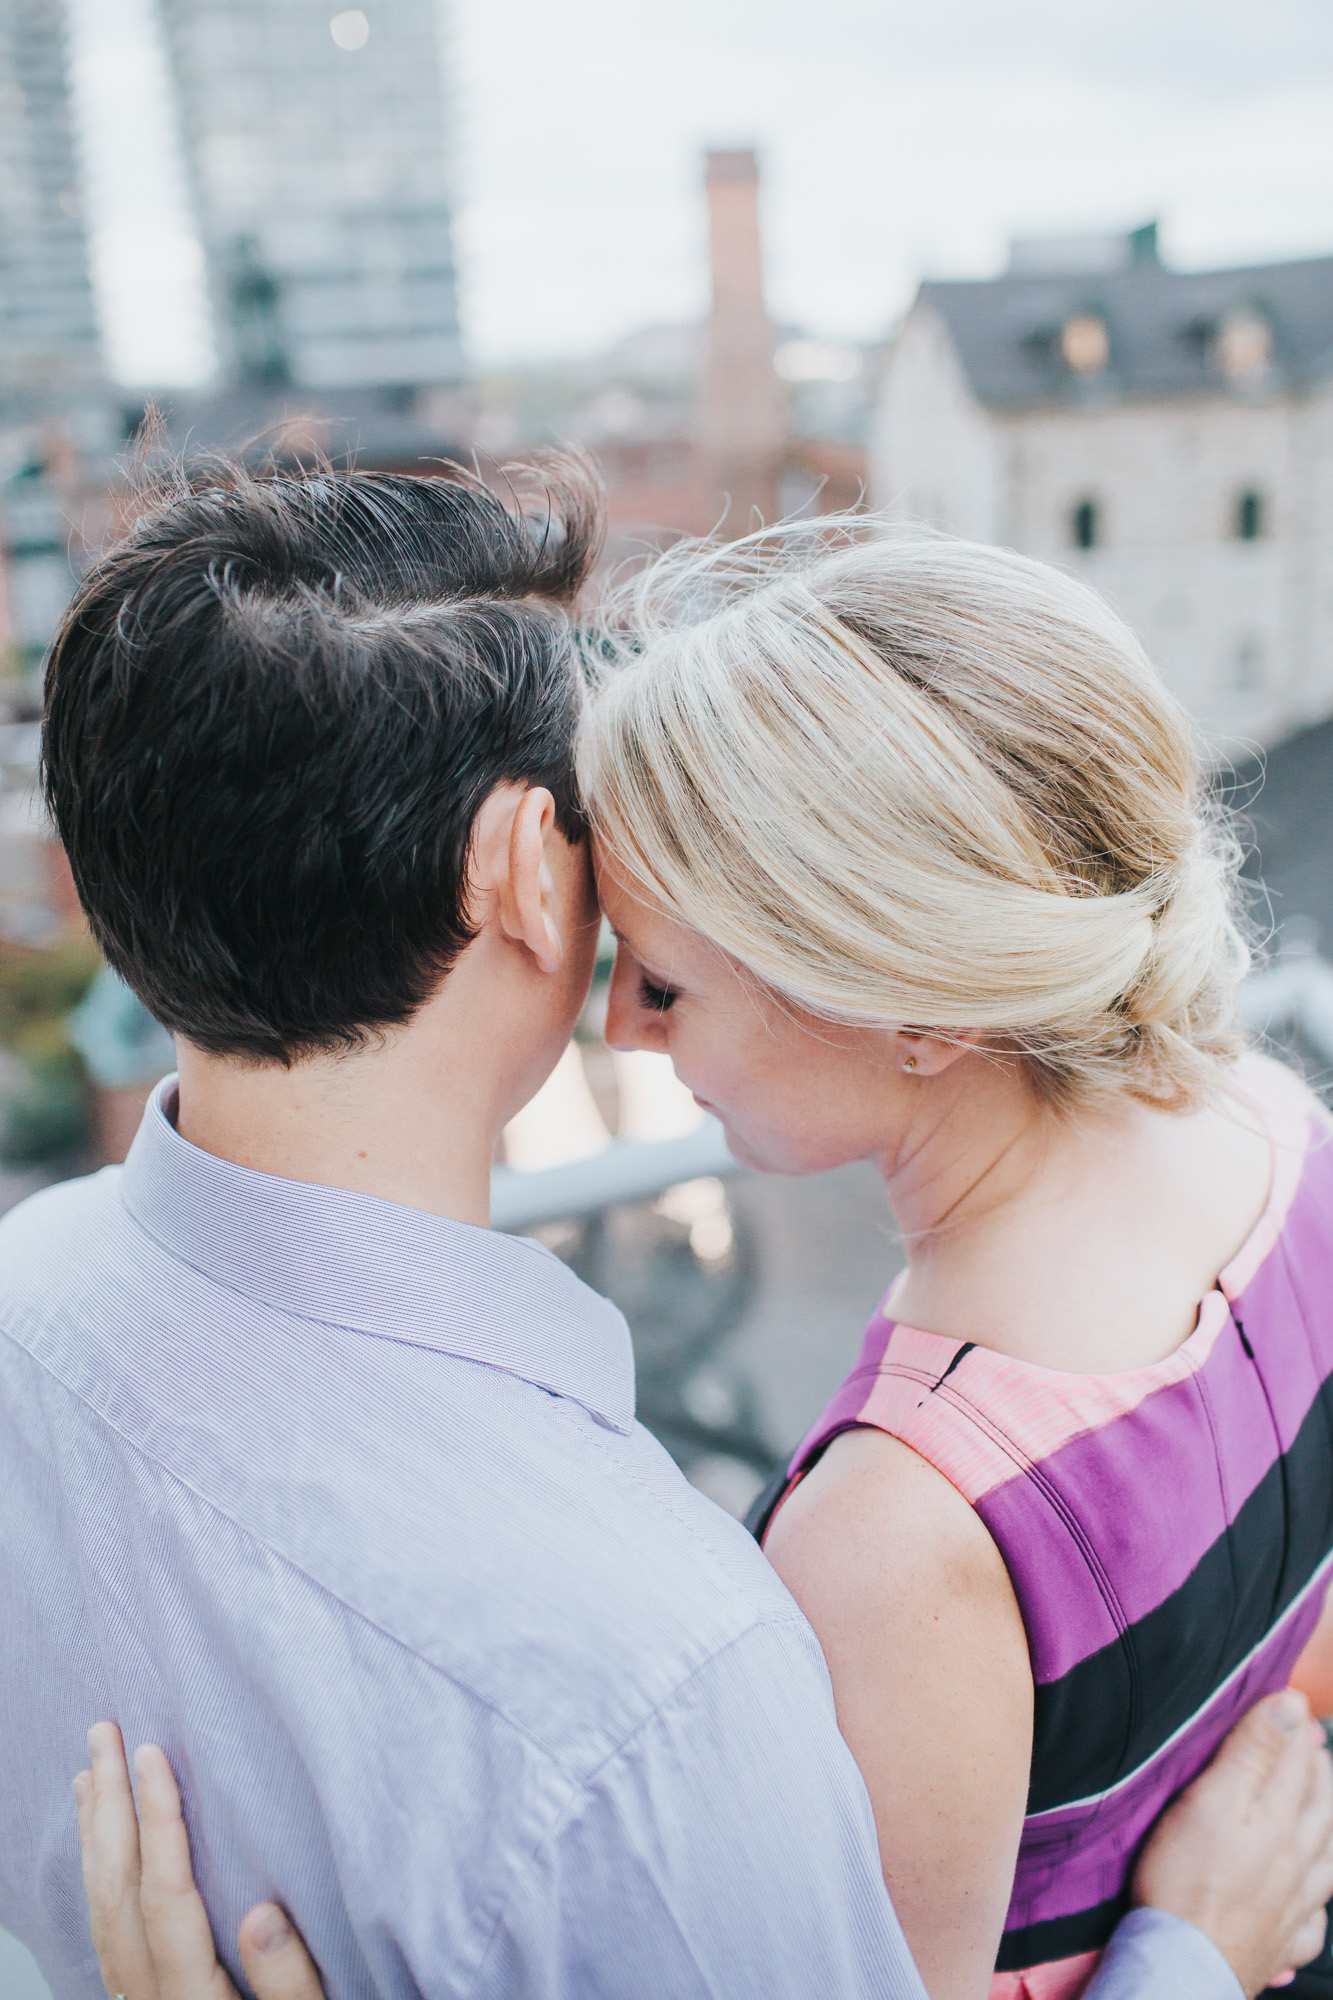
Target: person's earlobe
{"x": 930, "y": 1055}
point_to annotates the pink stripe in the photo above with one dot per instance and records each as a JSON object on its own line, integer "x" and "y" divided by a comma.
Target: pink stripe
{"x": 1014, "y": 1413}
{"x": 1058, "y": 1979}
{"x": 846, "y": 1407}
{"x": 1028, "y": 1412}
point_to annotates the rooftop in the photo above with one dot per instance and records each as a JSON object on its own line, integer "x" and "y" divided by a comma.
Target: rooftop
{"x": 1114, "y": 324}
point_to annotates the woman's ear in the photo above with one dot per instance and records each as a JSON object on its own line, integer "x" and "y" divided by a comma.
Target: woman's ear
{"x": 930, "y": 1055}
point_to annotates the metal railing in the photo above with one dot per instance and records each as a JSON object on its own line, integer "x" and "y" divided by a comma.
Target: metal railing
{"x": 624, "y": 1170}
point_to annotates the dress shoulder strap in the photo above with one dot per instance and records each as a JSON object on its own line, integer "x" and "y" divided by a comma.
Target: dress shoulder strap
{"x": 913, "y": 1386}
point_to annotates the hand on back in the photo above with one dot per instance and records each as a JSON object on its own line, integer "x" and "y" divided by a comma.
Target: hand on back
{"x": 1246, "y": 1853}
{"x": 149, "y": 1923}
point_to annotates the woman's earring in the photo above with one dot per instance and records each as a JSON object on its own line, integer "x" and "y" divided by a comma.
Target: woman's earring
{"x": 910, "y": 1063}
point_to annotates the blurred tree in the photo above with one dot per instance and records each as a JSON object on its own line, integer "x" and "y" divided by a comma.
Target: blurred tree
{"x": 44, "y": 1100}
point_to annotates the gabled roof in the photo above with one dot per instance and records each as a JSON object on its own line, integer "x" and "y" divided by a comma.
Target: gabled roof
{"x": 1161, "y": 326}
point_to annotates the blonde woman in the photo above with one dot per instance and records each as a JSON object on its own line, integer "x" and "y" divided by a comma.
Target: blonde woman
{"x": 910, "y": 860}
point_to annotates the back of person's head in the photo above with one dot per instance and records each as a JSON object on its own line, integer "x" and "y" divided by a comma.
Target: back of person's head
{"x": 913, "y": 781}
{"x": 272, "y": 714}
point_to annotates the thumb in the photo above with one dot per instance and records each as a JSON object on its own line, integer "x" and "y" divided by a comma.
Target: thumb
{"x": 1272, "y": 1731}
{"x": 276, "y": 1962}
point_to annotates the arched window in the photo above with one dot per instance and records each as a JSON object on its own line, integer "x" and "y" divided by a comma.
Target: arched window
{"x": 1249, "y": 521}
{"x": 1084, "y": 526}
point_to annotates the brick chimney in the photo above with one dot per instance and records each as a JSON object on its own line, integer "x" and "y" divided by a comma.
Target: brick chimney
{"x": 743, "y": 428}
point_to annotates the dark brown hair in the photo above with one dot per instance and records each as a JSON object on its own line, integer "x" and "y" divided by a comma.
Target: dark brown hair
{"x": 272, "y": 714}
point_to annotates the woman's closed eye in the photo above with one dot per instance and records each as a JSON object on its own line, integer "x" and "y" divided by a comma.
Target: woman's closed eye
{"x": 657, "y": 999}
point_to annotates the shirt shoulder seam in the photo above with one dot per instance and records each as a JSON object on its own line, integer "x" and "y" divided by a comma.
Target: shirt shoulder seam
{"x": 758, "y": 1622}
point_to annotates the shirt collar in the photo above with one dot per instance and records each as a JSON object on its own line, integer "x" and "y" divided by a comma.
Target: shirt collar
{"x": 376, "y": 1267}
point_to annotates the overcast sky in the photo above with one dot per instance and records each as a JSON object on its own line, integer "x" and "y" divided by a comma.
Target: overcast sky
{"x": 899, "y": 139}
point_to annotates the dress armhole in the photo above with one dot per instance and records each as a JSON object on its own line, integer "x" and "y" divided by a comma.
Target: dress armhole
{"x": 766, "y": 1504}
{"x": 764, "y": 1509}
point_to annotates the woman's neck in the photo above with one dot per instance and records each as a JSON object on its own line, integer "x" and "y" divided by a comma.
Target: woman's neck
{"x": 1083, "y": 1244}
{"x": 979, "y": 1137}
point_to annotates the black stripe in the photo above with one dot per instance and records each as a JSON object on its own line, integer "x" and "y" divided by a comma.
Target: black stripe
{"x": 1061, "y": 1937}
{"x": 764, "y": 1507}
{"x": 762, "y": 1510}
{"x": 961, "y": 1355}
{"x": 1092, "y": 1726}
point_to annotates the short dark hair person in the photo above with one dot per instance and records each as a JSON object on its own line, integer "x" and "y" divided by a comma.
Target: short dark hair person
{"x": 272, "y": 714}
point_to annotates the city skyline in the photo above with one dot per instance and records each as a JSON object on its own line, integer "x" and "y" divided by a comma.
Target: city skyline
{"x": 893, "y": 147}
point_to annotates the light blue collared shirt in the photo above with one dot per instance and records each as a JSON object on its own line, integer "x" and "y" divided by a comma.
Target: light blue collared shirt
{"x": 344, "y": 1504}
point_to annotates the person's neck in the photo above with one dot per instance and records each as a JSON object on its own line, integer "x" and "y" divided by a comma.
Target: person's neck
{"x": 371, "y": 1122}
{"x": 413, "y": 1116}
{"x": 978, "y": 1138}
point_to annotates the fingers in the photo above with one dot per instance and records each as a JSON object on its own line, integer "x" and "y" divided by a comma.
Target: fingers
{"x": 109, "y": 1835}
{"x": 1308, "y": 1941}
{"x": 1313, "y": 1841}
{"x": 1246, "y": 1851}
{"x": 180, "y": 1938}
{"x": 276, "y": 1962}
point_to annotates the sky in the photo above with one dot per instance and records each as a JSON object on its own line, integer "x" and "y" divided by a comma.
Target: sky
{"x": 898, "y": 140}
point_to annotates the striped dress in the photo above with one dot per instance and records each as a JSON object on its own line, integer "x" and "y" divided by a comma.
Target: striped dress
{"x": 1167, "y": 1531}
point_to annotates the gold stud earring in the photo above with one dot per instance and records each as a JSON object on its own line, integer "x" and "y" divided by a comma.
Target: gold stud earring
{"x": 910, "y": 1063}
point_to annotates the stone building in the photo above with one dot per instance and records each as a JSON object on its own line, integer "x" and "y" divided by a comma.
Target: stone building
{"x": 1166, "y": 435}
{"x": 319, "y": 152}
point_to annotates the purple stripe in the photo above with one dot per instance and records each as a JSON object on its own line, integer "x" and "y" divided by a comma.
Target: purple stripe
{"x": 1074, "y": 1858}
{"x": 1196, "y": 1450}
{"x": 1118, "y": 1558}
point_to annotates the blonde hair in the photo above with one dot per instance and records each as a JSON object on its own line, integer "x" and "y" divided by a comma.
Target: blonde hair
{"x": 912, "y": 781}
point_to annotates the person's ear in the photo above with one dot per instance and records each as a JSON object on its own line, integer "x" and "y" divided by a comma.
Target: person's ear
{"x": 931, "y": 1055}
{"x": 527, "y": 894}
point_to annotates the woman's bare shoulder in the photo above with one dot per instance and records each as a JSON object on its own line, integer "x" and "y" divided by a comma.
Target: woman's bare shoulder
{"x": 926, "y": 1648}
{"x": 877, "y": 1520}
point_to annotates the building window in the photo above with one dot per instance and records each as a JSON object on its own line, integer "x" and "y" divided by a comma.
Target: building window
{"x": 1084, "y": 344}
{"x": 1249, "y": 523}
{"x": 1244, "y": 346}
{"x": 1084, "y": 526}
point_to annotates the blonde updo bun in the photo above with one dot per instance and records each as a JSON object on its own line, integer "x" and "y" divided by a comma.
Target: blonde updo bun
{"x": 914, "y": 781}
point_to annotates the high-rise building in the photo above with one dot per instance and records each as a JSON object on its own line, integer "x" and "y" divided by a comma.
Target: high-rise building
{"x": 319, "y": 150}
{"x": 49, "y": 346}
{"x": 55, "y": 414}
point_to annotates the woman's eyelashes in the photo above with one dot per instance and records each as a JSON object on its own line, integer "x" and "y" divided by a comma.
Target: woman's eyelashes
{"x": 657, "y": 999}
